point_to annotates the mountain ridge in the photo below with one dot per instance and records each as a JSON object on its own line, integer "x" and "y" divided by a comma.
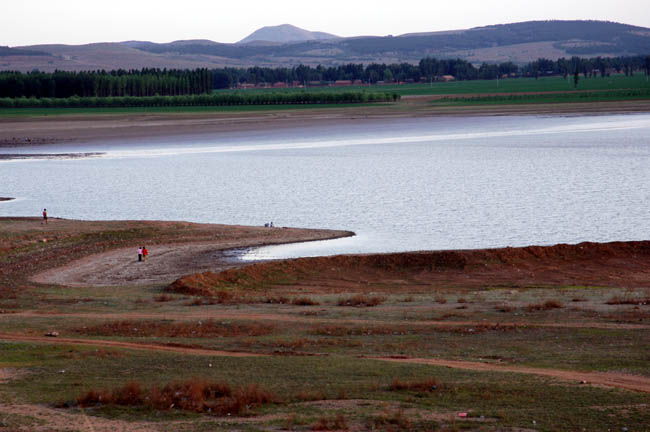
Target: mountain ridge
{"x": 516, "y": 42}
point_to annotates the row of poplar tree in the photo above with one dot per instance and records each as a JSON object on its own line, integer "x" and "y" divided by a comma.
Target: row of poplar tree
{"x": 170, "y": 82}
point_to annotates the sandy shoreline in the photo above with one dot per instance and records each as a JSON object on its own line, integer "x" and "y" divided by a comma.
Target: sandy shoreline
{"x": 66, "y": 129}
{"x": 175, "y": 249}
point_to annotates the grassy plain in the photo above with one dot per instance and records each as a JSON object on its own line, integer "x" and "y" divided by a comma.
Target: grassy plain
{"x": 433, "y": 96}
{"x": 509, "y": 85}
{"x": 343, "y": 346}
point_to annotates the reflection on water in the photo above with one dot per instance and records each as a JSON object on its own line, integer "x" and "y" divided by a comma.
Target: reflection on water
{"x": 402, "y": 184}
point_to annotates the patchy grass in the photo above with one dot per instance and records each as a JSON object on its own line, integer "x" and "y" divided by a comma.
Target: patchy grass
{"x": 293, "y": 381}
{"x": 199, "y": 329}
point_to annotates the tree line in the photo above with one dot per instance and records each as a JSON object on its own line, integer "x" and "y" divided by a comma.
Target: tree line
{"x": 172, "y": 82}
{"x": 215, "y": 99}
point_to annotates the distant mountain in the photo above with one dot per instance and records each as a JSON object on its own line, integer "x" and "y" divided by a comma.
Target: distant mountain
{"x": 289, "y": 46}
{"x": 285, "y": 33}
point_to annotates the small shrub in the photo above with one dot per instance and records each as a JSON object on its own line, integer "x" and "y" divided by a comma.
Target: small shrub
{"x": 291, "y": 343}
{"x": 392, "y": 421}
{"x": 163, "y": 298}
{"x": 129, "y": 395}
{"x": 337, "y": 422}
{"x": 429, "y": 385}
{"x": 93, "y": 397}
{"x": 304, "y": 301}
{"x": 616, "y": 300}
{"x": 505, "y": 308}
{"x": 199, "y": 329}
{"x": 193, "y": 395}
{"x": 547, "y": 305}
{"x": 361, "y": 300}
{"x": 276, "y": 300}
{"x": 441, "y": 300}
{"x": 310, "y": 396}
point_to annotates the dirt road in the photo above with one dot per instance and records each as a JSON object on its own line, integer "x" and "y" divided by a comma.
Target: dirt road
{"x": 607, "y": 379}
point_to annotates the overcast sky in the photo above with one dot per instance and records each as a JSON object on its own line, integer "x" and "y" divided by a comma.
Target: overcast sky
{"x": 29, "y": 22}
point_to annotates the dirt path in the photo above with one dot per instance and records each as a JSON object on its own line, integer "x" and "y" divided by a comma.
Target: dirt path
{"x": 128, "y": 345}
{"x": 121, "y": 267}
{"x": 167, "y": 262}
{"x": 293, "y": 318}
{"x": 50, "y": 419}
{"x": 607, "y": 379}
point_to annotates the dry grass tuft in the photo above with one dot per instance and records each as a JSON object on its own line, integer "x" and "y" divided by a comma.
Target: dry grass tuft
{"x": 194, "y": 395}
{"x": 199, "y": 329}
{"x": 505, "y": 308}
{"x": 428, "y": 385}
{"x": 310, "y": 396}
{"x": 395, "y": 421}
{"x": 616, "y": 300}
{"x": 304, "y": 301}
{"x": 163, "y": 298}
{"x": 277, "y": 300}
{"x": 361, "y": 300}
{"x": 333, "y": 423}
{"x": 547, "y": 305}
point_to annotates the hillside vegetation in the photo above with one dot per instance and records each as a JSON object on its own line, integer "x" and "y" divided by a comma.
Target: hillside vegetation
{"x": 518, "y": 43}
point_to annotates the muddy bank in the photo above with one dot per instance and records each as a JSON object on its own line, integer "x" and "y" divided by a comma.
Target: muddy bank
{"x": 14, "y": 156}
{"x": 38, "y": 130}
{"x": 616, "y": 264}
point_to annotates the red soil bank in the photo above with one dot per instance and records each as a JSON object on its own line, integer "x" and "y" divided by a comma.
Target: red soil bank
{"x": 616, "y": 264}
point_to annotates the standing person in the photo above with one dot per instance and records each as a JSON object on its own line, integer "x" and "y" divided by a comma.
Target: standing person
{"x": 44, "y": 217}
{"x": 140, "y": 254}
{"x": 145, "y": 252}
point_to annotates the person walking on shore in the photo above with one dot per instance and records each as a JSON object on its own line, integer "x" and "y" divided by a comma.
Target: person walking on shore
{"x": 145, "y": 252}
{"x": 139, "y": 254}
{"x": 44, "y": 217}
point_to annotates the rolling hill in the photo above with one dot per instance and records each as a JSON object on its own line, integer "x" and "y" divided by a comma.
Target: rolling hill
{"x": 289, "y": 46}
{"x": 285, "y": 33}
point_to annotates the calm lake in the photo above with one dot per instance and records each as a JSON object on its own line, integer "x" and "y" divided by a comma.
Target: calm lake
{"x": 400, "y": 184}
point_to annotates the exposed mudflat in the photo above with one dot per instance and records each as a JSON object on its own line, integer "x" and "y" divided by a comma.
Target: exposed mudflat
{"x": 39, "y": 130}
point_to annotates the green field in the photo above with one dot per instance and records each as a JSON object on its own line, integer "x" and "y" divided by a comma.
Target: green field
{"x": 37, "y": 112}
{"x": 512, "y": 85}
{"x": 585, "y": 96}
{"x": 479, "y": 92}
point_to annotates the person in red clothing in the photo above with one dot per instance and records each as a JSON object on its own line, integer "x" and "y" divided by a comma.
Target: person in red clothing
{"x": 44, "y": 217}
{"x": 145, "y": 252}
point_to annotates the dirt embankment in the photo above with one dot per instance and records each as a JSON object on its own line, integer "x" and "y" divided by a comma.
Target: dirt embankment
{"x": 616, "y": 264}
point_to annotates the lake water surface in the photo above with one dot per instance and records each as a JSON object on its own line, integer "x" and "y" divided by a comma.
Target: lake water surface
{"x": 400, "y": 184}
